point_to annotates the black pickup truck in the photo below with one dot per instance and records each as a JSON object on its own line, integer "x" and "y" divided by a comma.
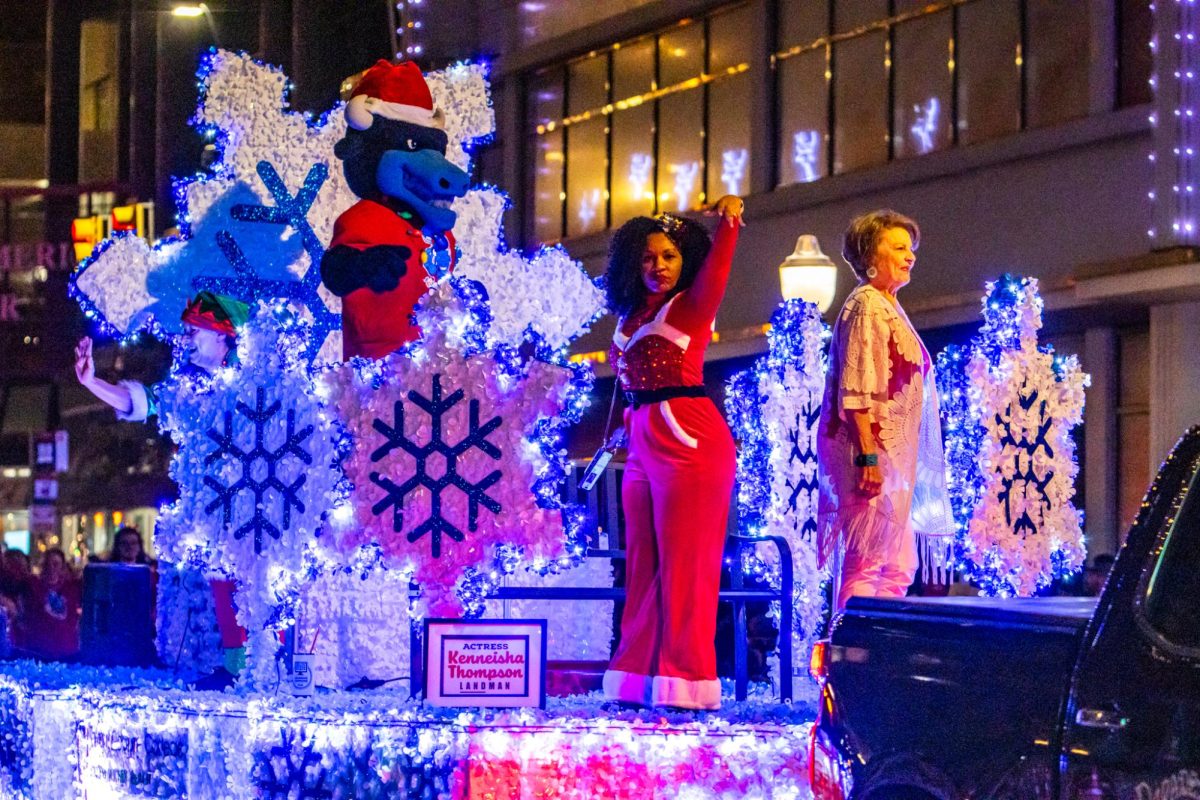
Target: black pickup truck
{"x": 1038, "y": 699}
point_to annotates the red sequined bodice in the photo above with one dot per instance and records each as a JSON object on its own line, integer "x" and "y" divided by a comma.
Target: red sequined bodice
{"x": 651, "y": 363}
{"x": 657, "y": 354}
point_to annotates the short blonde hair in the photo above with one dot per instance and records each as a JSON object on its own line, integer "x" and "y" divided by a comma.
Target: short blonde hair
{"x": 862, "y": 237}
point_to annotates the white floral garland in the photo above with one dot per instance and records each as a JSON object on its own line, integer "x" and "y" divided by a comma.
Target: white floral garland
{"x": 225, "y": 427}
{"x": 122, "y": 734}
{"x": 496, "y": 407}
{"x": 1025, "y": 529}
{"x": 549, "y": 294}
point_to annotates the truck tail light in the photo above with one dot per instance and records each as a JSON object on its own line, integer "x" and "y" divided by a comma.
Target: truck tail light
{"x": 818, "y": 661}
{"x": 829, "y": 774}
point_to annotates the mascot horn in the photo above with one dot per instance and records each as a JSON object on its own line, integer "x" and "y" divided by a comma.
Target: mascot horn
{"x": 398, "y": 235}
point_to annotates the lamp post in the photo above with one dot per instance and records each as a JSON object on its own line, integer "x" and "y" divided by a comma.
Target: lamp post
{"x": 808, "y": 274}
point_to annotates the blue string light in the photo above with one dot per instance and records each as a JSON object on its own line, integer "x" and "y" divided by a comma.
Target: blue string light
{"x": 798, "y": 340}
{"x": 1006, "y": 302}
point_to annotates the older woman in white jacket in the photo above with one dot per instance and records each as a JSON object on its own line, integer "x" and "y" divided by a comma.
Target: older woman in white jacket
{"x": 881, "y": 463}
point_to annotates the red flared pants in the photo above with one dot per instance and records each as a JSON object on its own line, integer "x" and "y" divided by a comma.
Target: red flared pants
{"x": 676, "y": 492}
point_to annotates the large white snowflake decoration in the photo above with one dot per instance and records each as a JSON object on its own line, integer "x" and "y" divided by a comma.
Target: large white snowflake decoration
{"x": 254, "y": 226}
{"x": 444, "y": 458}
{"x": 774, "y": 408}
{"x": 1024, "y": 531}
{"x": 266, "y": 151}
{"x": 548, "y": 295}
{"x": 256, "y": 468}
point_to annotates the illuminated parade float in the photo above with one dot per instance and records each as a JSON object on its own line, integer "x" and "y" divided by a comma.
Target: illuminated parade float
{"x": 378, "y": 538}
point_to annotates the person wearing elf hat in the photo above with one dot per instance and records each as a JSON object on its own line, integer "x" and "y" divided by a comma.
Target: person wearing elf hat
{"x": 210, "y": 324}
{"x": 398, "y": 235}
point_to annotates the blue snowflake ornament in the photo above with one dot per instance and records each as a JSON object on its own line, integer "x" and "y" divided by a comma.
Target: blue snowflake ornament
{"x": 257, "y": 460}
{"x": 290, "y": 770}
{"x": 446, "y": 457}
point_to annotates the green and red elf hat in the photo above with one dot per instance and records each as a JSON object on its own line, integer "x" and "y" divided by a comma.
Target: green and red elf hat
{"x": 216, "y": 312}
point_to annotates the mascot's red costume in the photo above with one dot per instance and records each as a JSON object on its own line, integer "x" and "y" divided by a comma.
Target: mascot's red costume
{"x": 389, "y": 245}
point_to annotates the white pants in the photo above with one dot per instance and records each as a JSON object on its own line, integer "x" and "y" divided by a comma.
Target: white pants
{"x": 884, "y": 571}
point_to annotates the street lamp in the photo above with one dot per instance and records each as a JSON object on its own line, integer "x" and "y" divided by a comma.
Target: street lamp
{"x": 194, "y": 11}
{"x": 808, "y": 274}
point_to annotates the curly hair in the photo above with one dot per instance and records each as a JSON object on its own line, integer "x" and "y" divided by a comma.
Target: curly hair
{"x": 863, "y": 234}
{"x": 623, "y": 279}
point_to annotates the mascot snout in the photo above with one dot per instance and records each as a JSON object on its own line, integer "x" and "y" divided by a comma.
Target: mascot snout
{"x": 425, "y": 180}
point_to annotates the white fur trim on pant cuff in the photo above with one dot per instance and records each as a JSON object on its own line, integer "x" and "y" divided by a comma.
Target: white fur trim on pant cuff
{"x": 682, "y": 693}
{"x": 141, "y": 405}
{"x": 628, "y": 687}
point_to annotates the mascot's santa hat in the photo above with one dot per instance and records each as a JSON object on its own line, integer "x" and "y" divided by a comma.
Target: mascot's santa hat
{"x": 393, "y": 91}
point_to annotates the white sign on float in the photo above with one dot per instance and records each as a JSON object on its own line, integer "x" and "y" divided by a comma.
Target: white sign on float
{"x": 498, "y": 663}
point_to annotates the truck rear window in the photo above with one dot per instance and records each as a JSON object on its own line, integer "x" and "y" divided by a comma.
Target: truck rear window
{"x": 1172, "y": 603}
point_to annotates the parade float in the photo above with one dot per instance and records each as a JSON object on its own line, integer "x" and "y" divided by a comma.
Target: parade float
{"x": 349, "y": 493}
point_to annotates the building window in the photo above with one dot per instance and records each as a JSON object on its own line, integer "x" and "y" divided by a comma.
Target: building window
{"x": 587, "y": 169}
{"x": 860, "y": 113}
{"x": 659, "y": 123}
{"x": 545, "y": 107}
{"x": 98, "y": 101}
{"x": 632, "y": 132}
{"x": 908, "y": 77}
{"x": 1133, "y": 425}
{"x": 923, "y": 63}
{"x": 987, "y": 60}
{"x": 728, "y": 129}
{"x": 1135, "y": 25}
{"x": 1058, "y": 35}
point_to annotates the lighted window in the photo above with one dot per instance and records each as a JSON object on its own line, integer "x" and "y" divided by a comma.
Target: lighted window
{"x": 989, "y": 73}
{"x": 681, "y": 121}
{"x": 1059, "y": 38}
{"x": 860, "y": 89}
{"x": 729, "y": 105}
{"x": 545, "y": 107}
{"x": 922, "y": 111}
{"x": 632, "y": 132}
{"x": 851, "y": 15}
{"x": 587, "y": 143}
{"x": 802, "y": 22}
{"x": 803, "y": 92}
{"x": 658, "y": 123}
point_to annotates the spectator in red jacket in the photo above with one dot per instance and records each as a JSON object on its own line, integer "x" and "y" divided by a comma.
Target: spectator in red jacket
{"x": 52, "y": 618}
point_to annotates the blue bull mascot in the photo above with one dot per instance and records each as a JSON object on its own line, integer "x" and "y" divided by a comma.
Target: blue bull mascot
{"x": 387, "y": 245}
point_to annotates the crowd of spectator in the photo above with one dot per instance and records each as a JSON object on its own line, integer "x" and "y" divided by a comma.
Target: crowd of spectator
{"x": 40, "y": 608}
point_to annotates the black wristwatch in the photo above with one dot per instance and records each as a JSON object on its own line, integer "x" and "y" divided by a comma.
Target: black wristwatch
{"x": 866, "y": 460}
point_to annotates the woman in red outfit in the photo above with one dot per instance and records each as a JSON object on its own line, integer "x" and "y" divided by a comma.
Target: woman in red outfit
{"x": 665, "y": 282}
